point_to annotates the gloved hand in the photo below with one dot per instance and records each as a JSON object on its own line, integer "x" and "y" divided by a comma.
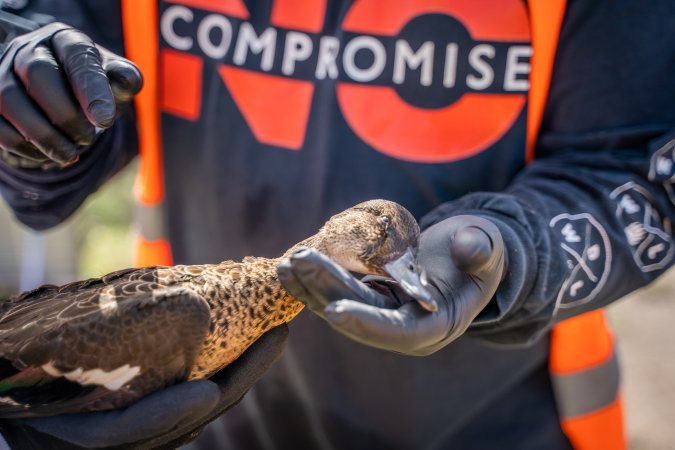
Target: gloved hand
{"x": 56, "y": 87}
{"x": 462, "y": 261}
{"x": 165, "y": 419}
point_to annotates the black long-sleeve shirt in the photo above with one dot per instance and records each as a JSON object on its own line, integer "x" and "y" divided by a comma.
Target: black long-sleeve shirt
{"x": 293, "y": 117}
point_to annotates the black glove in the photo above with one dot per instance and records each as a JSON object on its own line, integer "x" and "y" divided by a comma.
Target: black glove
{"x": 56, "y": 87}
{"x": 461, "y": 259}
{"x": 165, "y": 419}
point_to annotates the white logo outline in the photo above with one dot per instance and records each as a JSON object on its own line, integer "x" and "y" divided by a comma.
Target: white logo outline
{"x": 569, "y": 284}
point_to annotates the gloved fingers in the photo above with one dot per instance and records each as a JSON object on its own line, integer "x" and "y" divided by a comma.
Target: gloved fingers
{"x": 463, "y": 260}
{"x": 180, "y": 407}
{"x": 238, "y": 377}
{"x": 478, "y": 250}
{"x": 408, "y": 329}
{"x": 462, "y": 252}
{"x": 293, "y": 285}
{"x": 471, "y": 249}
{"x": 47, "y": 86}
{"x": 19, "y": 110}
{"x": 317, "y": 281}
{"x": 83, "y": 65}
{"x": 12, "y": 141}
{"x": 125, "y": 78}
{"x": 313, "y": 276}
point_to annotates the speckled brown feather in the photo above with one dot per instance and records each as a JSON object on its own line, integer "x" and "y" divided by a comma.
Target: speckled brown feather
{"x": 173, "y": 323}
{"x": 164, "y": 315}
{"x": 246, "y": 301}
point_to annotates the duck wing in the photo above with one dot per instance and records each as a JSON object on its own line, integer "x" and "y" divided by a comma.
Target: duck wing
{"x": 96, "y": 344}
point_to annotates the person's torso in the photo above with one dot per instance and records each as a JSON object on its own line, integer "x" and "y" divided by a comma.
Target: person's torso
{"x": 276, "y": 115}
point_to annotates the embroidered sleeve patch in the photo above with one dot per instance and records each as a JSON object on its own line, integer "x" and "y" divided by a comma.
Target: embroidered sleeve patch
{"x": 589, "y": 256}
{"x": 648, "y": 234}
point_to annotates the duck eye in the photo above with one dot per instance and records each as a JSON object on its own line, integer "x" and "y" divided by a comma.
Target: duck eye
{"x": 385, "y": 220}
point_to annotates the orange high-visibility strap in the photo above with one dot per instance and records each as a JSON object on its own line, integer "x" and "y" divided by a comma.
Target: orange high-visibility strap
{"x": 582, "y": 356}
{"x": 142, "y": 47}
{"x": 140, "y": 22}
{"x": 588, "y": 342}
{"x": 582, "y": 348}
{"x": 546, "y": 18}
{"x": 152, "y": 253}
{"x": 600, "y": 430}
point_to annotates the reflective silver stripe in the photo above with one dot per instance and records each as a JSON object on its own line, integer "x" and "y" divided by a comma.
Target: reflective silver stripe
{"x": 588, "y": 390}
{"x": 150, "y": 221}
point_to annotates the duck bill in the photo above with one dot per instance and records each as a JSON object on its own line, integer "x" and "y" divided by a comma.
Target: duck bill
{"x": 404, "y": 270}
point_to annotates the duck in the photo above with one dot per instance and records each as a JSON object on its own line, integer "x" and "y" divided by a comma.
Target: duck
{"x": 104, "y": 343}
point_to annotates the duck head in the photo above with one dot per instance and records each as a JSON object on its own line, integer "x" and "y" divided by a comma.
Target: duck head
{"x": 377, "y": 237}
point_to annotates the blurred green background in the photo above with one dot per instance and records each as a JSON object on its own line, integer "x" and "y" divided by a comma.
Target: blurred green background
{"x": 99, "y": 239}
{"x": 105, "y": 228}
{"x": 96, "y": 240}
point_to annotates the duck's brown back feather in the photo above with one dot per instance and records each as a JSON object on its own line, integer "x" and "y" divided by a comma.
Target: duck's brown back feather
{"x": 165, "y": 324}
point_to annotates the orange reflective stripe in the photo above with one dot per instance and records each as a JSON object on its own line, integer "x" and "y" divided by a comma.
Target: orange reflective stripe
{"x": 581, "y": 342}
{"x": 582, "y": 347}
{"x": 546, "y": 18}
{"x": 141, "y": 40}
{"x": 152, "y": 253}
{"x": 582, "y": 357}
{"x": 600, "y": 430}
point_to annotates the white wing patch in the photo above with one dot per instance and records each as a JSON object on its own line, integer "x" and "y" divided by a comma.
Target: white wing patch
{"x": 112, "y": 380}
{"x": 11, "y": 401}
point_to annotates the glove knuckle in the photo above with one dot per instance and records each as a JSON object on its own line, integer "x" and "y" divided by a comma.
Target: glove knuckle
{"x": 81, "y": 54}
{"x": 35, "y": 69}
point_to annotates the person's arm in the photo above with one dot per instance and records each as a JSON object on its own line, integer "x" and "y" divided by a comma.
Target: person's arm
{"x": 593, "y": 213}
{"x": 60, "y": 94}
{"x": 587, "y": 222}
{"x": 582, "y": 228}
{"x": 575, "y": 231}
